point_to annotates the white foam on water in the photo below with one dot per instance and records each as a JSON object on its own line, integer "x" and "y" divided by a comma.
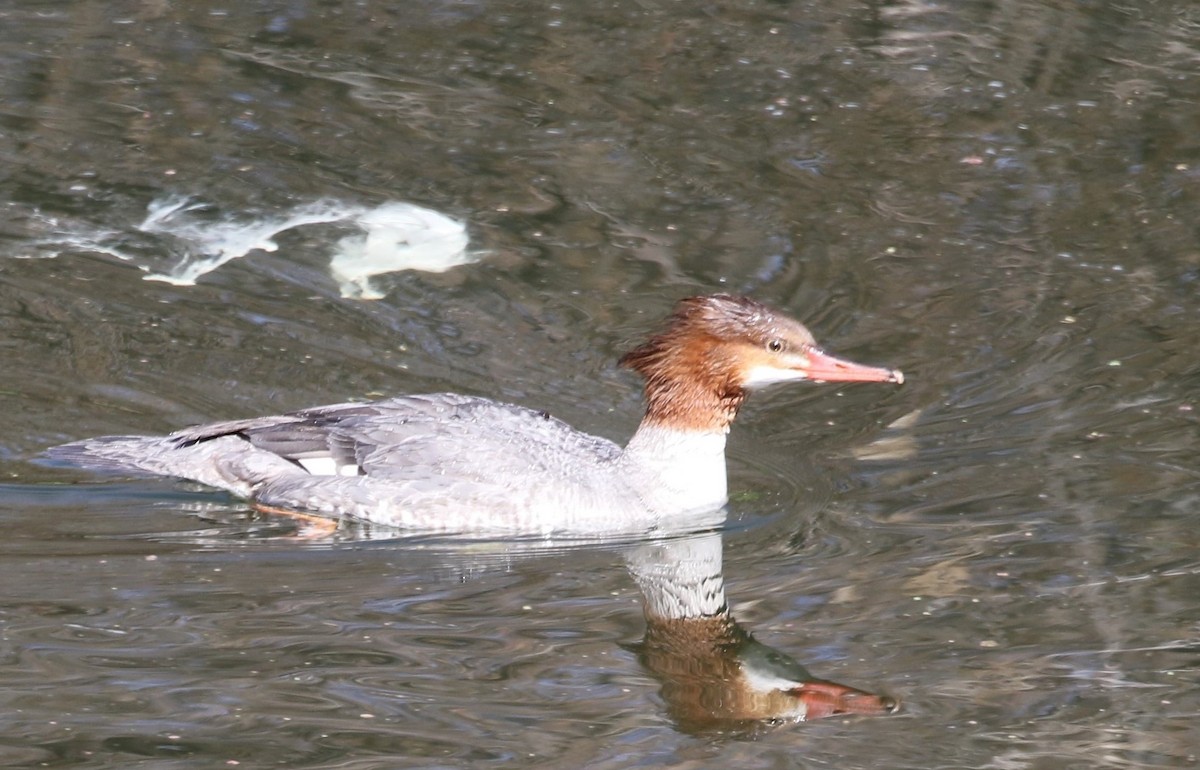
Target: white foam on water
{"x": 393, "y": 237}
{"x": 397, "y": 236}
{"x": 210, "y": 244}
{"x": 58, "y": 237}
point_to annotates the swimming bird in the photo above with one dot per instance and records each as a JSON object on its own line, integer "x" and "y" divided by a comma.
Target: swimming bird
{"x": 455, "y": 463}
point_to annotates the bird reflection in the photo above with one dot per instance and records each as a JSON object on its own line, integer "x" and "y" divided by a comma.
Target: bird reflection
{"x": 714, "y": 674}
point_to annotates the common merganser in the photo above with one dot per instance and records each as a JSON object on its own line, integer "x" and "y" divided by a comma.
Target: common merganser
{"x": 453, "y": 463}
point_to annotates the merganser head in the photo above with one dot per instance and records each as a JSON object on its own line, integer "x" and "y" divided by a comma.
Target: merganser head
{"x": 715, "y": 675}
{"x": 720, "y": 345}
{"x": 785, "y": 689}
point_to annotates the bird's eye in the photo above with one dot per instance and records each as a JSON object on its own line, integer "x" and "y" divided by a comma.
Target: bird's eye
{"x": 775, "y": 346}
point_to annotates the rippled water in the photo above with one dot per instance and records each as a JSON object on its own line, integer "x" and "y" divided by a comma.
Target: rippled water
{"x": 998, "y": 197}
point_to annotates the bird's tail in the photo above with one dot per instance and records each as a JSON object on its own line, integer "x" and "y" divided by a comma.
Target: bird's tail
{"x": 112, "y": 454}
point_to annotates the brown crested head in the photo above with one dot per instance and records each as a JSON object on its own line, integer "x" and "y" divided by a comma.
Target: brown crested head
{"x": 712, "y": 348}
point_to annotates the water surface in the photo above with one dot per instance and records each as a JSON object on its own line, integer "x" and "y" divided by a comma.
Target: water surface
{"x": 997, "y": 197}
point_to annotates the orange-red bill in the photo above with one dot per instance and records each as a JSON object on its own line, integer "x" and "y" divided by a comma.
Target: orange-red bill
{"x": 827, "y": 368}
{"x": 827, "y": 699}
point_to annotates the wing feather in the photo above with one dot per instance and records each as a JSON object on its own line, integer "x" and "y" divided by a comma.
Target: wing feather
{"x": 416, "y": 438}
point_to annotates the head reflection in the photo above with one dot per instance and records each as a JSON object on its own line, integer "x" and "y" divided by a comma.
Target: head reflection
{"x": 714, "y": 674}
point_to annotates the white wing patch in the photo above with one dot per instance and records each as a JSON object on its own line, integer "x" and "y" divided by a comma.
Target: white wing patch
{"x": 327, "y": 466}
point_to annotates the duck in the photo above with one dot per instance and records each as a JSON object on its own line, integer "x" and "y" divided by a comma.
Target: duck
{"x": 445, "y": 462}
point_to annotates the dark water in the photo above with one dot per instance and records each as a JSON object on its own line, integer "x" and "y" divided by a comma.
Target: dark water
{"x": 998, "y": 197}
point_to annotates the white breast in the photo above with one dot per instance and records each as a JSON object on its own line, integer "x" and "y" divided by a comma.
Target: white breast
{"x": 674, "y": 470}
